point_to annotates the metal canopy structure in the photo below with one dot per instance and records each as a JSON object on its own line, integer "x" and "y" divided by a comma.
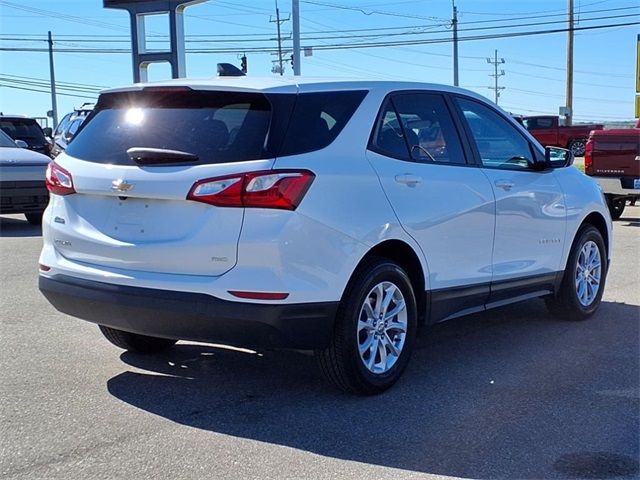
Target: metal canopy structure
{"x": 141, "y": 56}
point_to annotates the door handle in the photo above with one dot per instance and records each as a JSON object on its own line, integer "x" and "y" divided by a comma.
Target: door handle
{"x": 504, "y": 184}
{"x": 408, "y": 179}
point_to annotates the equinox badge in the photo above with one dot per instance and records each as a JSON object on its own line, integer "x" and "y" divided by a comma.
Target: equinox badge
{"x": 121, "y": 185}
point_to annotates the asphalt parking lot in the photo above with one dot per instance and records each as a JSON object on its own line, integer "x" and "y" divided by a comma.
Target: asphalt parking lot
{"x": 511, "y": 393}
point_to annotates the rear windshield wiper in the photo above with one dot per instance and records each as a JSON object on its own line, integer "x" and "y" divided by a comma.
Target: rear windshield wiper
{"x": 152, "y": 156}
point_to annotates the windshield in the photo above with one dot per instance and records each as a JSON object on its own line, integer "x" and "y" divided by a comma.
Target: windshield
{"x": 5, "y": 140}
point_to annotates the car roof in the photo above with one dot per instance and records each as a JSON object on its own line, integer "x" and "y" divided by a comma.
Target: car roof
{"x": 16, "y": 117}
{"x": 277, "y": 84}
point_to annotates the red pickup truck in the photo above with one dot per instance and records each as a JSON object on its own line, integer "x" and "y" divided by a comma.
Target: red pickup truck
{"x": 612, "y": 158}
{"x": 547, "y": 130}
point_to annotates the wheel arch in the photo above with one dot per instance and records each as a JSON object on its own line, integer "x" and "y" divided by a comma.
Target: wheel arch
{"x": 597, "y": 220}
{"x": 404, "y": 255}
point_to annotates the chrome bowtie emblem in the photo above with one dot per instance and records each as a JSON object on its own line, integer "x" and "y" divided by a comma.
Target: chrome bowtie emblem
{"x": 120, "y": 185}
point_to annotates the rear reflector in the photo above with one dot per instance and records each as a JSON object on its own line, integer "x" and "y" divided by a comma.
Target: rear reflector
{"x": 259, "y": 295}
{"x": 58, "y": 180}
{"x": 281, "y": 189}
{"x": 44, "y": 268}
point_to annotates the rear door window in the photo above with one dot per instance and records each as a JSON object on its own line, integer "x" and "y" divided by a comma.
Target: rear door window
{"x": 388, "y": 137}
{"x": 217, "y": 127}
{"x": 429, "y": 128}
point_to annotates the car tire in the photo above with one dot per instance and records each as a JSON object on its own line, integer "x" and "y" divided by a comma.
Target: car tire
{"x": 616, "y": 207}
{"x": 587, "y": 264}
{"x": 34, "y": 218}
{"x": 369, "y": 350}
{"x": 577, "y": 147}
{"x": 135, "y": 342}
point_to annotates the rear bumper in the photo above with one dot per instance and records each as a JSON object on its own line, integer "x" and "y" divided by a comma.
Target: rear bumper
{"x": 617, "y": 186}
{"x": 192, "y": 316}
{"x": 23, "y": 196}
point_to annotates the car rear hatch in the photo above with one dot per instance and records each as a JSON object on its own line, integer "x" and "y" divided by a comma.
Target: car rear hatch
{"x": 133, "y": 163}
{"x": 616, "y": 153}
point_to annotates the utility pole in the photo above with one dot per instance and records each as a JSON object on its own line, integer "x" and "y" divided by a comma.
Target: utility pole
{"x": 495, "y": 62}
{"x": 295, "y": 13}
{"x": 52, "y": 79}
{"x": 279, "y": 68}
{"x": 454, "y": 24}
{"x": 569, "y": 100}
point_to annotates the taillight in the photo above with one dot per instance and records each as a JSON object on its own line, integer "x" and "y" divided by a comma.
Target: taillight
{"x": 588, "y": 158}
{"x": 58, "y": 180}
{"x": 282, "y": 189}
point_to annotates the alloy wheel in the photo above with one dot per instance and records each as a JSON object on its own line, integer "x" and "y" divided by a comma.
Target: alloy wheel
{"x": 382, "y": 327}
{"x": 588, "y": 273}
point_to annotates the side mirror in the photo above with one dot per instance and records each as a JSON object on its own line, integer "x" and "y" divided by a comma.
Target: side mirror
{"x": 48, "y": 132}
{"x": 21, "y": 144}
{"x": 557, "y": 157}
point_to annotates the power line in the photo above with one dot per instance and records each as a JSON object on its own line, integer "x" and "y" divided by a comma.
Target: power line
{"x": 58, "y": 82}
{"x": 46, "y": 84}
{"x": 528, "y": 17}
{"x": 44, "y": 91}
{"x": 469, "y": 38}
{"x": 590, "y": 99}
{"x": 541, "y": 77}
{"x": 584, "y": 116}
{"x": 69, "y": 18}
{"x": 374, "y": 12}
{"x": 341, "y": 46}
{"x": 528, "y": 13}
{"x": 606, "y": 74}
{"x": 213, "y": 39}
{"x": 78, "y": 38}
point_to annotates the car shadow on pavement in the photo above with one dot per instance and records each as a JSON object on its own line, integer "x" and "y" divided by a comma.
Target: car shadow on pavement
{"x": 629, "y": 222}
{"x": 18, "y": 227}
{"x": 510, "y": 393}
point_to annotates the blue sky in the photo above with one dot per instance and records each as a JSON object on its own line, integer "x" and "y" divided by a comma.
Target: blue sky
{"x": 534, "y": 77}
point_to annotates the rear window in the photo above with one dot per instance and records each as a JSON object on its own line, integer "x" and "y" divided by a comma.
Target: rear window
{"x": 23, "y": 129}
{"x": 218, "y": 127}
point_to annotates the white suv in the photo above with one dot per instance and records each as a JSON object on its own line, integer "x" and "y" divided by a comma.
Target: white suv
{"x": 333, "y": 216}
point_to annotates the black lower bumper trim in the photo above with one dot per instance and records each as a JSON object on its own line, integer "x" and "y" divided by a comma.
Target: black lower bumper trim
{"x": 192, "y": 316}
{"x": 23, "y": 197}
